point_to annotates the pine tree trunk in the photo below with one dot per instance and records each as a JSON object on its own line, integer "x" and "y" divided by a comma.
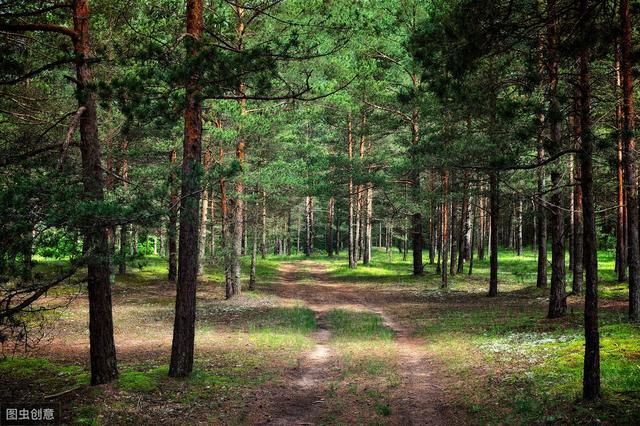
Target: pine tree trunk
{"x": 308, "y": 246}
{"x": 453, "y": 234}
{"x": 172, "y": 227}
{"x": 185, "y": 311}
{"x": 237, "y": 202}
{"x": 102, "y": 348}
{"x": 482, "y": 227}
{"x": 493, "y": 237}
{"x": 445, "y": 229}
{"x": 519, "y": 228}
{"x": 366, "y": 257}
{"x": 463, "y": 236}
{"x": 351, "y": 236}
{"x": 578, "y": 243}
{"x": 541, "y": 280}
{"x": 288, "y": 234}
{"x": 621, "y": 222}
{"x": 124, "y": 234}
{"x": 416, "y": 218}
{"x": 254, "y": 255}
{"x": 474, "y": 231}
{"x": 591, "y": 377}
{"x": 329, "y": 233}
{"x": 204, "y": 206}
{"x": 263, "y": 228}
{"x": 557, "y": 296}
{"x": 630, "y": 166}
{"x": 212, "y": 231}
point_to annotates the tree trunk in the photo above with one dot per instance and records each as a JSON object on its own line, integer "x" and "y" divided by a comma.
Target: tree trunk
{"x": 185, "y": 311}
{"x": 463, "y": 236}
{"x": 578, "y": 226}
{"x": 124, "y": 234}
{"x": 366, "y": 256}
{"x": 204, "y": 206}
{"x": 124, "y": 229}
{"x": 630, "y": 166}
{"x": 263, "y": 229}
{"x": 254, "y": 255}
{"x": 591, "y": 378}
{"x": 482, "y": 225}
{"x": 172, "y": 227}
{"x": 519, "y": 228}
{"x": 308, "y": 246}
{"x": 445, "y": 228}
{"x": 621, "y": 222}
{"x": 557, "y": 297}
{"x": 352, "y": 240}
{"x": 474, "y": 231}
{"x": 541, "y": 280}
{"x": 298, "y": 239}
{"x": 212, "y": 232}
{"x": 416, "y": 218}
{"x": 329, "y": 233}
{"x": 237, "y": 203}
{"x": 96, "y": 246}
{"x": 493, "y": 237}
{"x": 453, "y": 235}
{"x": 288, "y": 234}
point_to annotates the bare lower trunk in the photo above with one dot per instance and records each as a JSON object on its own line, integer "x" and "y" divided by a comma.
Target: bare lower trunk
{"x": 351, "y": 236}
{"x": 474, "y": 231}
{"x": 308, "y": 246}
{"x": 124, "y": 235}
{"x": 463, "y": 237}
{"x": 172, "y": 227}
{"x": 96, "y": 246}
{"x": 557, "y": 296}
{"x": 591, "y": 377}
{"x": 329, "y": 232}
{"x": 541, "y": 281}
{"x": 445, "y": 229}
{"x": 453, "y": 248}
{"x": 254, "y": 253}
{"x": 493, "y": 238}
{"x": 578, "y": 227}
{"x": 182, "y": 347}
{"x": 366, "y": 254}
{"x": 204, "y": 206}
{"x": 519, "y": 228}
{"x": 630, "y": 166}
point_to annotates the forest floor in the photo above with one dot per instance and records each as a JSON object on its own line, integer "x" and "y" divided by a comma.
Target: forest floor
{"x": 319, "y": 343}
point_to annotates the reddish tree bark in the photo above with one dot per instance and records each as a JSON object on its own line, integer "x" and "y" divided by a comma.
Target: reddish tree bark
{"x": 184, "y": 325}
{"x": 630, "y": 166}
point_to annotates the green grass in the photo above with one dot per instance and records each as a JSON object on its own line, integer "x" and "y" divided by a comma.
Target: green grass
{"x": 354, "y": 325}
{"x": 43, "y": 371}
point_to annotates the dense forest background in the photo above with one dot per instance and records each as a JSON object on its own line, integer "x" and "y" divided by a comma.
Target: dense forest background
{"x": 448, "y": 140}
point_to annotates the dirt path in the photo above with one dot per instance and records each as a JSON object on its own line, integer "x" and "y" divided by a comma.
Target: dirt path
{"x": 422, "y": 397}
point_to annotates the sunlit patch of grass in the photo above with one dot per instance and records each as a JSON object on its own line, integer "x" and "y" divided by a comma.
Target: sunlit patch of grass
{"x": 142, "y": 381}
{"x": 355, "y": 325}
{"x": 43, "y": 371}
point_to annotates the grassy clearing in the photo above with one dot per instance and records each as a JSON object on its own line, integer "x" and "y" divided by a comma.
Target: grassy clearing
{"x": 515, "y": 366}
{"x": 241, "y": 345}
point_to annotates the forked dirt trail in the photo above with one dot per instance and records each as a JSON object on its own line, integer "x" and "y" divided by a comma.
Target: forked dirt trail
{"x": 423, "y": 396}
